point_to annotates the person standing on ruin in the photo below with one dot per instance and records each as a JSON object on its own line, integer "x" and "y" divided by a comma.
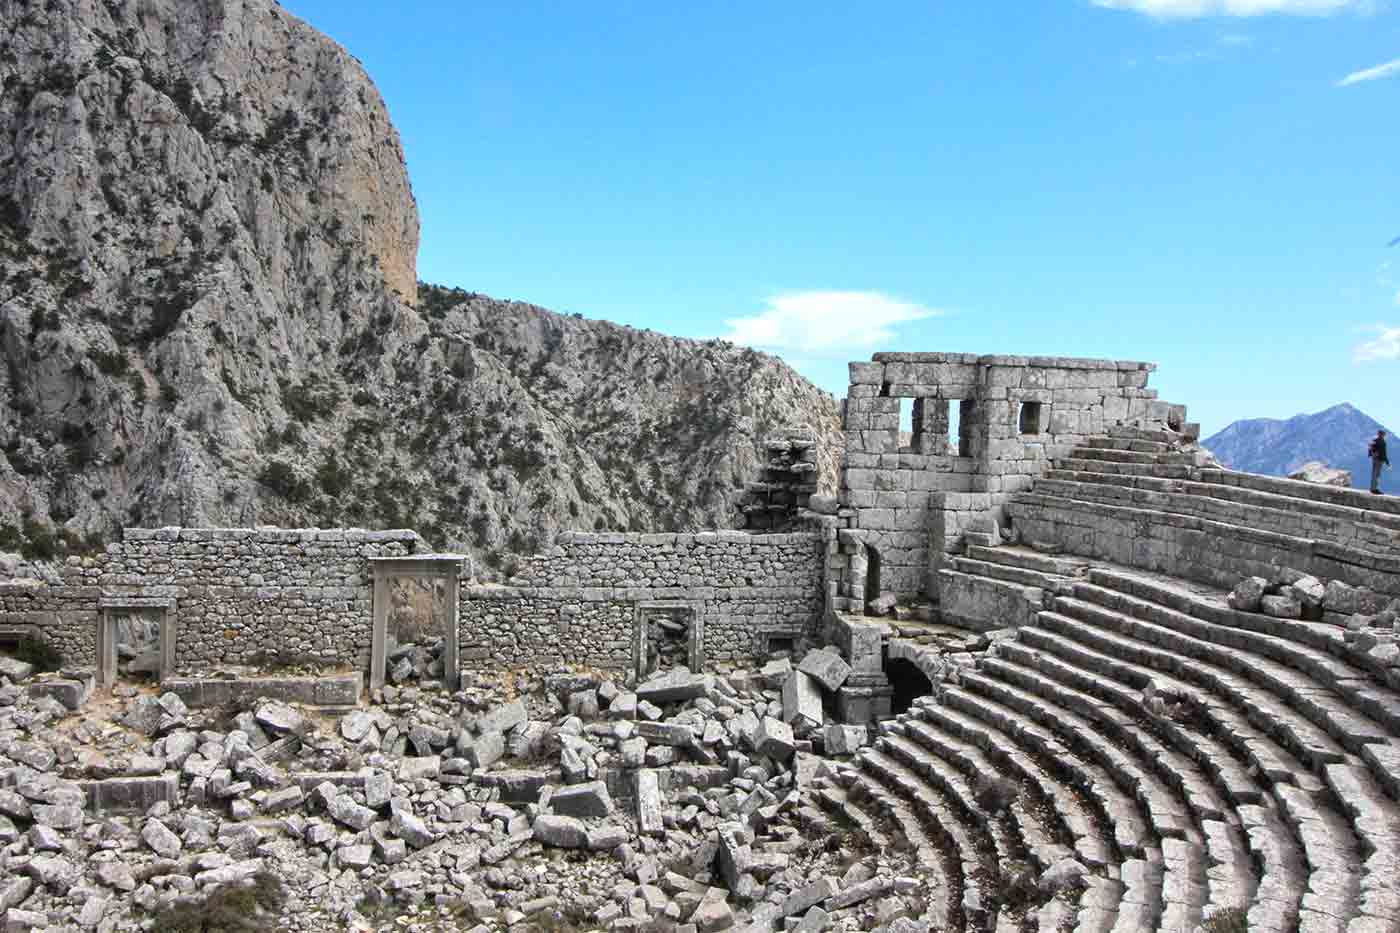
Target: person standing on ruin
{"x": 1376, "y": 451}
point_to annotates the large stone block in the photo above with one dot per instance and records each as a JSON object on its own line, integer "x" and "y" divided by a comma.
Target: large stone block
{"x": 827, "y": 667}
{"x": 675, "y": 686}
{"x": 582, "y": 800}
{"x": 649, "y": 820}
{"x": 774, "y": 739}
{"x": 802, "y": 701}
{"x": 503, "y": 718}
{"x": 564, "y": 832}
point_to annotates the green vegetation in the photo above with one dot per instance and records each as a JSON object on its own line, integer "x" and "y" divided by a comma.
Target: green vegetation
{"x": 1227, "y": 920}
{"x": 36, "y": 651}
{"x": 281, "y": 478}
{"x": 228, "y": 907}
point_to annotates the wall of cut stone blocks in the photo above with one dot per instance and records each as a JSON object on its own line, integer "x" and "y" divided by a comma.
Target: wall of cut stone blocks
{"x": 242, "y": 595}
{"x": 914, "y": 499}
{"x": 577, "y": 602}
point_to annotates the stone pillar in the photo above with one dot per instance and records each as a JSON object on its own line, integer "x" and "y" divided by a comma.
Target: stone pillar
{"x": 378, "y": 654}
{"x": 451, "y": 669}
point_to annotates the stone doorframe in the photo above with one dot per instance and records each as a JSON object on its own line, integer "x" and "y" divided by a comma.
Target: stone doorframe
{"x": 444, "y": 567}
{"x": 695, "y": 634}
{"x": 109, "y": 608}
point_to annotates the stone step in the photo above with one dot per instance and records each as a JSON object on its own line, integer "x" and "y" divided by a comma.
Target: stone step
{"x": 1038, "y": 839}
{"x": 1140, "y": 907}
{"x": 1019, "y": 575}
{"x": 1098, "y": 905}
{"x": 1219, "y": 674}
{"x": 1112, "y": 812}
{"x": 836, "y": 800}
{"x": 1158, "y": 470}
{"x": 1361, "y": 518}
{"x": 1218, "y": 553}
{"x": 1331, "y": 852}
{"x": 1138, "y": 794}
{"x": 1377, "y": 823}
{"x": 1184, "y": 889}
{"x": 1177, "y": 497}
{"x": 946, "y": 885}
{"x": 1336, "y": 495}
{"x": 1058, "y": 804}
{"x": 1131, "y": 443}
{"x": 1282, "y": 879}
{"x": 1174, "y": 438}
{"x": 1229, "y": 751}
{"x": 957, "y": 801}
{"x": 1030, "y": 560}
{"x": 1321, "y": 688}
{"x": 906, "y": 785}
{"x": 1317, "y": 648}
{"x": 1172, "y": 789}
{"x": 1175, "y": 765}
{"x": 1128, "y": 456}
{"x": 1231, "y": 876}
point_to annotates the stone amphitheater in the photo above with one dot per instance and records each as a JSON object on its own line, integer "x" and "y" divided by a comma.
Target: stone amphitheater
{"x": 1080, "y": 647}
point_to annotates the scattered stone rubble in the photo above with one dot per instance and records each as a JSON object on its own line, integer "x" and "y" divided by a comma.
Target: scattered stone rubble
{"x": 689, "y": 800}
{"x": 1369, "y": 618}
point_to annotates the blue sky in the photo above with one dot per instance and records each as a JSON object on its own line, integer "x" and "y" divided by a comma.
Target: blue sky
{"x": 1208, "y": 184}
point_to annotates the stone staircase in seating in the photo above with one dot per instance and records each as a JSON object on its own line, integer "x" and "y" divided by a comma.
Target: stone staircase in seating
{"x": 1194, "y": 759}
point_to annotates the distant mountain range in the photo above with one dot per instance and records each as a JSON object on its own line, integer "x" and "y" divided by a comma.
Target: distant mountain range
{"x": 1337, "y": 437}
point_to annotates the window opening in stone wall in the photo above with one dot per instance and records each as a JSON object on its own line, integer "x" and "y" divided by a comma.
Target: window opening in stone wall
{"x": 906, "y": 424}
{"x": 9, "y": 643}
{"x": 960, "y": 428}
{"x": 138, "y": 642}
{"x": 780, "y": 647}
{"x": 909, "y": 684}
{"x": 415, "y": 640}
{"x": 953, "y": 414}
{"x": 1028, "y": 421}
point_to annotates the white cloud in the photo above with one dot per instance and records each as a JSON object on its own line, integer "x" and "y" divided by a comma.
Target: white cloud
{"x": 1388, "y": 70}
{"x": 1385, "y": 345}
{"x": 1194, "y": 9}
{"x": 817, "y": 322}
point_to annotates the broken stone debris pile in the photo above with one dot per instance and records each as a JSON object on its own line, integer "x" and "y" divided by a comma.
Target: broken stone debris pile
{"x": 697, "y": 795}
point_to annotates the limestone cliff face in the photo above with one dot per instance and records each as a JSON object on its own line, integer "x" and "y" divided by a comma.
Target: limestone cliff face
{"x": 207, "y": 289}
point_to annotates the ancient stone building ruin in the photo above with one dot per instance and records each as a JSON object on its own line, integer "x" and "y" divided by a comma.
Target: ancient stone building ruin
{"x": 270, "y": 596}
{"x": 1077, "y": 637}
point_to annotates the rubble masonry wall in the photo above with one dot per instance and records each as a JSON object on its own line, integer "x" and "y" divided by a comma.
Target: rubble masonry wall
{"x": 240, "y": 594}
{"x": 577, "y": 602}
{"x": 912, "y": 502}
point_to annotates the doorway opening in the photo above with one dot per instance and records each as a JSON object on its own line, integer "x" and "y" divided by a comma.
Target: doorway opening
{"x": 909, "y": 683}
{"x": 872, "y": 576}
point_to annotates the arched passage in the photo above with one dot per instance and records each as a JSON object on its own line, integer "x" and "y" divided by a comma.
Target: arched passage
{"x": 909, "y": 684}
{"x": 872, "y": 575}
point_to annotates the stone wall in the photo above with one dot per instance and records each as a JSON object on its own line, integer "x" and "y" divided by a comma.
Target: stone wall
{"x": 912, "y": 500}
{"x": 577, "y": 603}
{"x": 241, "y": 595}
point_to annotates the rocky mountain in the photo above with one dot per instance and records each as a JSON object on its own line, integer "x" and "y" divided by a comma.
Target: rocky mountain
{"x": 1337, "y": 436}
{"x": 209, "y": 315}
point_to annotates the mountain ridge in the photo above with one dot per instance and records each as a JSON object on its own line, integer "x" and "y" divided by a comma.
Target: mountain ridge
{"x": 1337, "y": 436}
{"x": 210, "y": 315}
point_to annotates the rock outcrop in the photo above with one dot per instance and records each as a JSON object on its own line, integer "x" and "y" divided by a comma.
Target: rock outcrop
{"x": 207, "y": 315}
